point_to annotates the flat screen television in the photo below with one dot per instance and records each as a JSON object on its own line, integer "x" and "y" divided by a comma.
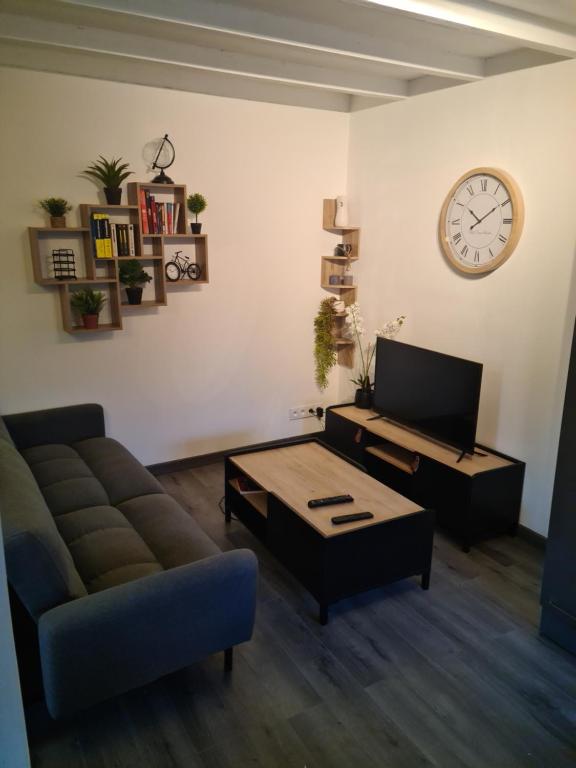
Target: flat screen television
{"x": 433, "y": 393}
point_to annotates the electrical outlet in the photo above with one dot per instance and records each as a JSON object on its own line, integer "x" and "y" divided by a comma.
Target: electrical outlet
{"x": 304, "y": 411}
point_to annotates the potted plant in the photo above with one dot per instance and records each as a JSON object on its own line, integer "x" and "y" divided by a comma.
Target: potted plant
{"x": 110, "y": 173}
{"x": 324, "y": 350}
{"x": 133, "y": 276}
{"x": 57, "y": 207}
{"x": 355, "y": 325}
{"x": 88, "y": 304}
{"x": 196, "y": 204}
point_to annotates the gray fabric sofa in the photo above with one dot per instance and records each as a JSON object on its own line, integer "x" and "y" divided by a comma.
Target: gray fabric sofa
{"x": 122, "y": 584}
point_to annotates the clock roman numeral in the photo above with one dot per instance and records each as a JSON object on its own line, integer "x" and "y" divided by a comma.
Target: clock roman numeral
{"x": 457, "y": 237}
{"x": 470, "y": 189}
{"x": 484, "y": 184}
{"x": 502, "y": 238}
{"x": 455, "y": 222}
{"x": 464, "y": 250}
{"x": 477, "y": 257}
{"x": 505, "y": 202}
{"x": 507, "y": 221}
{"x": 497, "y": 188}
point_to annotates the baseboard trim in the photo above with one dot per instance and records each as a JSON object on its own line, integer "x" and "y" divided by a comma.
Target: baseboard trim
{"x": 179, "y": 465}
{"x": 532, "y": 537}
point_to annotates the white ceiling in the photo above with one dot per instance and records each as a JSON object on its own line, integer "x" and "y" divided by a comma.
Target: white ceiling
{"x": 330, "y": 54}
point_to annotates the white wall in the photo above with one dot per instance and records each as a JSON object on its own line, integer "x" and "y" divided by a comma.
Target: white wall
{"x": 518, "y": 320}
{"x": 218, "y": 367}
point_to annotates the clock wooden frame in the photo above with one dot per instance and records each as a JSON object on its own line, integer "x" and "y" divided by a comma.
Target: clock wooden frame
{"x": 517, "y": 220}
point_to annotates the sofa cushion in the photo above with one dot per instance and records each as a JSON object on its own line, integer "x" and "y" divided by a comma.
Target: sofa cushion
{"x": 4, "y": 434}
{"x": 121, "y": 475}
{"x": 174, "y": 537}
{"x": 105, "y": 547}
{"x": 39, "y": 565}
{"x": 42, "y": 453}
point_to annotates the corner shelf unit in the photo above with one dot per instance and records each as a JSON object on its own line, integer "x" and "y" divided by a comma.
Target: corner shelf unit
{"x": 153, "y": 250}
{"x": 335, "y": 267}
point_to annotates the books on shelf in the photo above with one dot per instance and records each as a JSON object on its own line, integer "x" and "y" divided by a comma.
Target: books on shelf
{"x": 158, "y": 218}
{"x": 111, "y": 239}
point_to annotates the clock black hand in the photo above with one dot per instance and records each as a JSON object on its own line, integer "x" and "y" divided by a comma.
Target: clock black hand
{"x": 483, "y": 217}
{"x": 473, "y": 214}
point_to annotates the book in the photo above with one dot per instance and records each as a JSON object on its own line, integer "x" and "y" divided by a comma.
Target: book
{"x": 114, "y": 238}
{"x": 143, "y": 212}
{"x": 131, "y": 247}
{"x": 175, "y": 218}
{"x": 149, "y": 212}
{"x": 245, "y": 485}
{"x": 154, "y": 207}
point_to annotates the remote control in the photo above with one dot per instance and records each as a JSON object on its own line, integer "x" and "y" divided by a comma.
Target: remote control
{"x": 352, "y": 518}
{"x": 327, "y": 500}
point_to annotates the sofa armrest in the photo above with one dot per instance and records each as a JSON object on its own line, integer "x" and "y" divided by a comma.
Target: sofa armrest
{"x": 56, "y": 425}
{"x": 112, "y": 641}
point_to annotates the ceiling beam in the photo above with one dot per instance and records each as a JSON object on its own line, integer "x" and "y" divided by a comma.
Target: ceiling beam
{"x": 281, "y": 29}
{"x": 66, "y": 36}
{"x": 526, "y": 29}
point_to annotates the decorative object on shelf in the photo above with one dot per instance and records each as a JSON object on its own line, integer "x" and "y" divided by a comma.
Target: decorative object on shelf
{"x": 355, "y": 326}
{"x": 334, "y": 280}
{"x": 63, "y": 264}
{"x": 343, "y": 250}
{"x": 160, "y": 153}
{"x": 481, "y": 220}
{"x": 132, "y": 275}
{"x": 341, "y": 217}
{"x": 57, "y": 207}
{"x": 324, "y": 351}
{"x": 196, "y": 204}
{"x": 110, "y": 173}
{"x": 181, "y": 267}
{"x": 339, "y": 305}
{"x": 88, "y": 303}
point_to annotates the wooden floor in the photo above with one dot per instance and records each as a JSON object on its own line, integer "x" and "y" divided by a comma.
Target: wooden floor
{"x": 456, "y": 677}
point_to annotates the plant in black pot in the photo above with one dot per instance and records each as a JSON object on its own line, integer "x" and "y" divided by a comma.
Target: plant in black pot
{"x": 196, "y": 204}
{"x": 57, "y": 207}
{"x": 110, "y": 173}
{"x": 355, "y": 326}
{"x": 88, "y": 304}
{"x": 133, "y": 276}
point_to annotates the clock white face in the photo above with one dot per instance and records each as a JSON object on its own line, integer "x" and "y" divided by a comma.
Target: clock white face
{"x": 481, "y": 221}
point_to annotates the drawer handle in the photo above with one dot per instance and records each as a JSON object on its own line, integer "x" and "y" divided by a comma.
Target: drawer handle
{"x": 358, "y": 436}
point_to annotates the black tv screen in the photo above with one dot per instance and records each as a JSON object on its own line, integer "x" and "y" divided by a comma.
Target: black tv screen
{"x": 433, "y": 393}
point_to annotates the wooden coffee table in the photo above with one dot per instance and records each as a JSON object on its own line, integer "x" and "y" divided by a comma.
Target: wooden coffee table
{"x": 331, "y": 561}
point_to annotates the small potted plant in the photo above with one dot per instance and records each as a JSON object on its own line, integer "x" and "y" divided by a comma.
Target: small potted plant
{"x": 88, "y": 304}
{"x": 57, "y": 207}
{"x": 133, "y": 276}
{"x": 196, "y": 204}
{"x": 110, "y": 173}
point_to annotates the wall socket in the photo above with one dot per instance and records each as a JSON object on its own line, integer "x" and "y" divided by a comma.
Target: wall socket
{"x": 304, "y": 411}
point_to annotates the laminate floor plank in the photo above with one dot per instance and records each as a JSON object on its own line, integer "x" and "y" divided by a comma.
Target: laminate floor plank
{"x": 453, "y": 677}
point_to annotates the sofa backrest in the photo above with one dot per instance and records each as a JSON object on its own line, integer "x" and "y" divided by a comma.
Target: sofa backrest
{"x": 38, "y": 563}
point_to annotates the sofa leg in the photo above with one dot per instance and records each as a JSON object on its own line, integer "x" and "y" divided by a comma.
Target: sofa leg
{"x": 228, "y": 659}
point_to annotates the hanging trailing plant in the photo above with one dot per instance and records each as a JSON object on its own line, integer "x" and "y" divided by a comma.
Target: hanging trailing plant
{"x": 324, "y": 350}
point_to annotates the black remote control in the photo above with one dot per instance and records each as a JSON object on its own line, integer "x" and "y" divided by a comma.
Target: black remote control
{"x": 327, "y": 500}
{"x": 352, "y": 518}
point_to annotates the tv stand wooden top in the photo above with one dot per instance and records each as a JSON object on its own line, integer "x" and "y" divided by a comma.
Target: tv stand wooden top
{"x": 412, "y": 441}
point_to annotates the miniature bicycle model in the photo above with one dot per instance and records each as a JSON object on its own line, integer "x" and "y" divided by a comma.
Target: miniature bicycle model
{"x": 180, "y": 267}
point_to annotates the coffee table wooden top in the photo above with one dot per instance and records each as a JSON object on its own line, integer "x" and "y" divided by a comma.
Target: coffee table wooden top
{"x": 298, "y": 473}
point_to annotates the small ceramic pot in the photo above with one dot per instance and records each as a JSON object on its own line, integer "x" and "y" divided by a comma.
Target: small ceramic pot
{"x": 363, "y": 398}
{"x": 58, "y": 222}
{"x": 196, "y": 227}
{"x": 348, "y": 280}
{"x": 113, "y": 195}
{"x": 90, "y": 321}
{"x": 134, "y": 295}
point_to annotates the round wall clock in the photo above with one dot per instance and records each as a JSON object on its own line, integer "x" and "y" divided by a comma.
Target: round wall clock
{"x": 481, "y": 220}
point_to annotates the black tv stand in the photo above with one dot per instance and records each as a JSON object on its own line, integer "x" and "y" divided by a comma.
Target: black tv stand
{"x": 473, "y": 499}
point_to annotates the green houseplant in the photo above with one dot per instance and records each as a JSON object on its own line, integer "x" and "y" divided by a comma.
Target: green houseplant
{"x": 110, "y": 173}
{"x": 133, "y": 276}
{"x": 196, "y": 204}
{"x": 88, "y": 304}
{"x": 57, "y": 207}
{"x": 324, "y": 350}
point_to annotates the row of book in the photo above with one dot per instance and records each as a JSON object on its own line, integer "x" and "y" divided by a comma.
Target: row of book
{"x": 110, "y": 239}
{"x": 158, "y": 218}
